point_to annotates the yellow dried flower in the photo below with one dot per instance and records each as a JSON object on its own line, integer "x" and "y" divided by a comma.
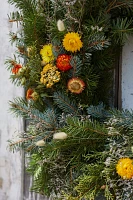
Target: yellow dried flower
{"x": 124, "y": 168}
{"x": 72, "y": 42}
{"x": 50, "y": 75}
{"x": 46, "y": 53}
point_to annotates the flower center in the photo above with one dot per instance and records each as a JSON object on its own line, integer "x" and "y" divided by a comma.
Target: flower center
{"x": 75, "y": 86}
{"x": 72, "y": 42}
{"x": 48, "y": 53}
{"x": 64, "y": 62}
{"x": 125, "y": 166}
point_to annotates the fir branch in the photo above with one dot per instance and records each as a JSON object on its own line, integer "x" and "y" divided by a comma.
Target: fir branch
{"x": 20, "y": 107}
{"x": 65, "y": 104}
{"x": 121, "y": 28}
{"x": 27, "y": 6}
{"x": 77, "y": 67}
{"x": 98, "y": 112}
{"x": 19, "y": 142}
{"x": 15, "y": 17}
{"x": 85, "y": 126}
{"x": 118, "y": 4}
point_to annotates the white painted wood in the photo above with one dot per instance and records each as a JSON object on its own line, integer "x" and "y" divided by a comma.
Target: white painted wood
{"x": 127, "y": 75}
{"x": 10, "y": 163}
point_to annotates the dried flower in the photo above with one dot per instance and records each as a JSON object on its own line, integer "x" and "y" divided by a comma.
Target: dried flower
{"x": 31, "y": 94}
{"x": 40, "y": 143}
{"x": 60, "y": 136}
{"x": 72, "y": 42}
{"x": 46, "y": 53}
{"x": 22, "y": 71}
{"x": 124, "y": 168}
{"x": 97, "y": 28}
{"x": 16, "y": 68}
{"x": 76, "y": 85}
{"x": 49, "y": 75}
{"x": 35, "y": 96}
{"x": 60, "y": 25}
{"x": 63, "y": 62}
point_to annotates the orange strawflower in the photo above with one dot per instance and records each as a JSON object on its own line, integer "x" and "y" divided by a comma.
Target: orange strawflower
{"x": 16, "y": 68}
{"x": 63, "y": 62}
{"x": 29, "y": 93}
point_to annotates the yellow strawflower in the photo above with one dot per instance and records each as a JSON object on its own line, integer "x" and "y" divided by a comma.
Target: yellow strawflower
{"x": 124, "y": 168}
{"x": 72, "y": 42}
{"x": 50, "y": 75}
{"x": 46, "y": 53}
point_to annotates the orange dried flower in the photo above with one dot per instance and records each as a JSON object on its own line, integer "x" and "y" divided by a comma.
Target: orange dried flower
{"x": 63, "y": 62}
{"x": 76, "y": 85}
{"x": 31, "y": 94}
{"x": 16, "y": 68}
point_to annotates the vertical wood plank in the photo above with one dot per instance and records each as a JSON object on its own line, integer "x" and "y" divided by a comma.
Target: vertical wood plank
{"x": 127, "y": 75}
{"x": 10, "y": 163}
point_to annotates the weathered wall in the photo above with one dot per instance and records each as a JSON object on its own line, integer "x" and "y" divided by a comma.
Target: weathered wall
{"x": 127, "y": 75}
{"x": 10, "y": 164}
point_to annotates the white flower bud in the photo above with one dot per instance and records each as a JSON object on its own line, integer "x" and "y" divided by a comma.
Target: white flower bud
{"x": 40, "y": 143}
{"x": 100, "y": 29}
{"x": 132, "y": 149}
{"x": 60, "y": 25}
{"x": 93, "y": 28}
{"x": 60, "y": 136}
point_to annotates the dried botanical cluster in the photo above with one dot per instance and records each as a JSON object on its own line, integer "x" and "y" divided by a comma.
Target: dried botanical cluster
{"x": 79, "y": 147}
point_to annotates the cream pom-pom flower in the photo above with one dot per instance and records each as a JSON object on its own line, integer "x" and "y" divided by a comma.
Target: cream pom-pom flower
{"x": 40, "y": 143}
{"x": 60, "y": 25}
{"x": 60, "y": 136}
